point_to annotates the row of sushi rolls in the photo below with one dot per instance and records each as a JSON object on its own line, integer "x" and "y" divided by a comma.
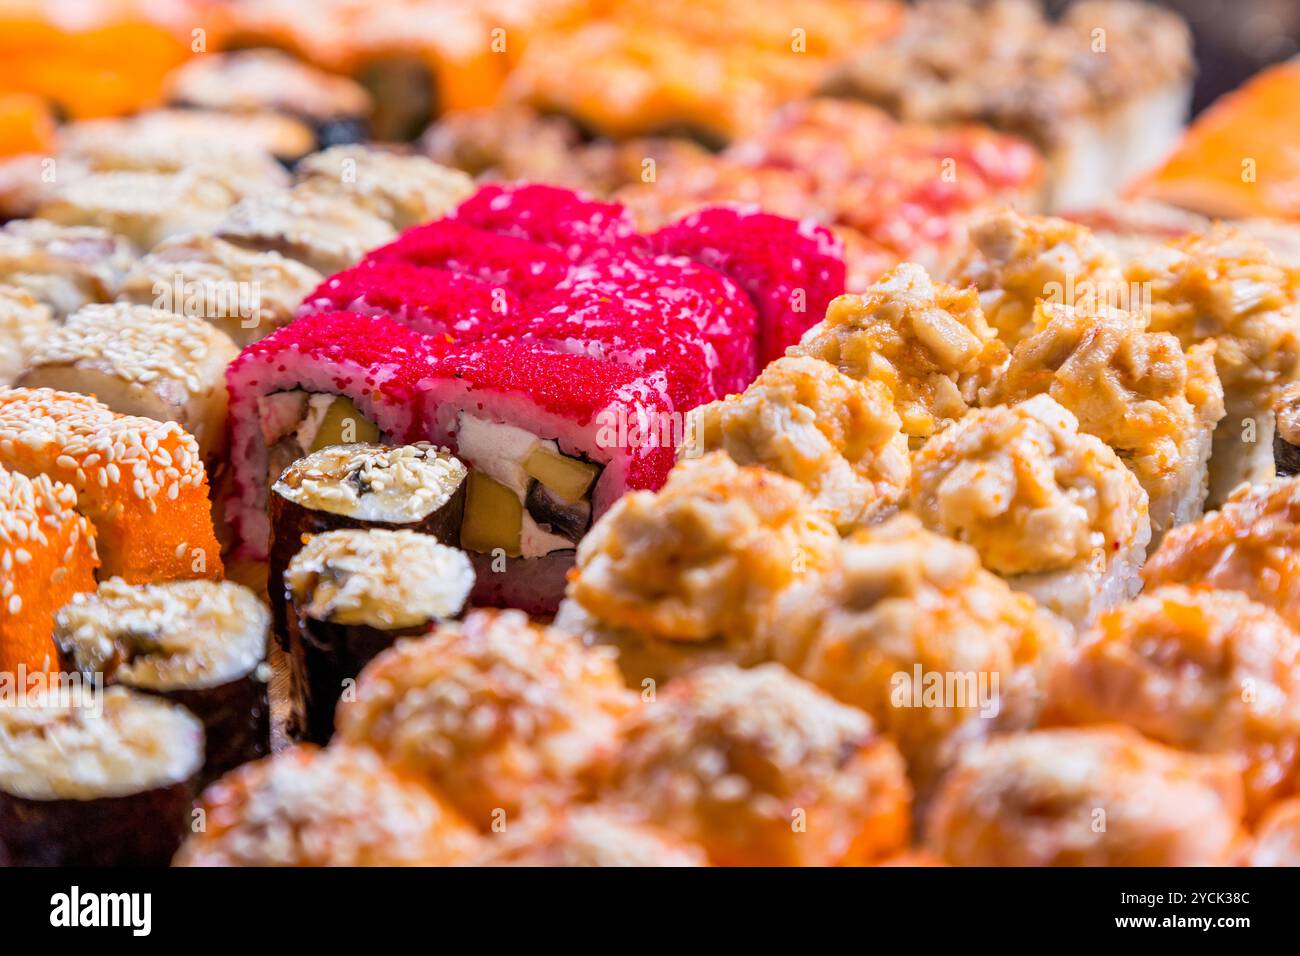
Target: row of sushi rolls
{"x": 701, "y": 454}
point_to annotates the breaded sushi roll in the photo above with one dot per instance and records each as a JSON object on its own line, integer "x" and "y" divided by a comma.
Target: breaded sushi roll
{"x": 583, "y": 836}
{"x": 24, "y": 324}
{"x": 402, "y": 189}
{"x": 1096, "y": 796}
{"x": 1050, "y": 509}
{"x": 65, "y": 267}
{"x": 504, "y": 716}
{"x": 201, "y": 644}
{"x": 142, "y": 361}
{"x": 47, "y": 554}
{"x": 1286, "y": 433}
{"x": 927, "y": 341}
{"x": 244, "y": 293}
{"x": 761, "y": 768}
{"x": 1277, "y": 840}
{"x": 1225, "y": 287}
{"x": 909, "y": 626}
{"x": 101, "y": 778}
{"x": 337, "y": 807}
{"x": 326, "y": 379}
{"x": 1139, "y": 391}
{"x": 838, "y": 437}
{"x": 351, "y": 594}
{"x": 1196, "y": 669}
{"x": 140, "y": 482}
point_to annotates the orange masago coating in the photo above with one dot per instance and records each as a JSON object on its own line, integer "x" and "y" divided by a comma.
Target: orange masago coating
{"x": 141, "y": 482}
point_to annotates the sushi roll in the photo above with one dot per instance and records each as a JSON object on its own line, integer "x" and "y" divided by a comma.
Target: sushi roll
{"x": 1103, "y": 796}
{"x": 928, "y": 342}
{"x": 200, "y": 644}
{"x": 326, "y": 379}
{"x": 1154, "y": 403}
{"x": 337, "y": 807}
{"x": 1175, "y": 664}
{"x": 551, "y": 441}
{"x": 144, "y": 362}
{"x": 1286, "y": 434}
{"x": 584, "y": 836}
{"x": 791, "y": 270}
{"x": 415, "y": 487}
{"x": 734, "y": 759}
{"x": 838, "y": 437}
{"x": 107, "y": 781}
{"x": 324, "y": 230}
{"x": 47, "y": 554}
{"x": 1225, "y": 287}
{"x": 402, "y": 189}
{"x": 1277, "y": 840}
{"x": 352, "y": 594}
{"x": 141, "y": 482}
{"x": 498, "y": 713}
{"x": 65, "y": 267}
{"x": 244, "y": 293}
{"x": 24, "y": 324}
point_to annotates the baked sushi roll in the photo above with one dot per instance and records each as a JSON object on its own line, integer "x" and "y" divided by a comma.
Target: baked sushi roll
{"x": 1103, "y": 796}
{"x": 245, "y": 293}
{"x": 106, "y": 784}
{"x": 1196, "y": 669}
{"x": 761, "y": 768}
{"x": 325, "y": 379}
{"x": 144, "y": 362}
{"x": 581, "y": 227}
{"x": 47, "y": 554}
{"x": 337, "y": 807}
{"x": 1050, "y": 509}
{"x": 583, "y": 836}
{"x": 928, "y": 342}
{"x": 1277, "y": 839}
{"x": 252, "y": 81}
{"x": 323, "y": 229}
{"x": 1154, "y": 402}
{"x": 351, "y": 595}
{"x": 201, "y": 644}
{"x": 24, "y": 324}
{"x": 402, "y": 189}
{"x": 509, "y": 142}
{"x": 838, "y": 437}
{"x": 503, "y": 716}
{"x": 140, "y": 482}
{"x": 65, "y": 267}
{"x": 1225, "y": 287}
{"x": 414, "y": 487}
{"x": 1286, "y": 432}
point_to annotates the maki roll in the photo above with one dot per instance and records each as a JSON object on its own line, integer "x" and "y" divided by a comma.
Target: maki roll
{"x": 401, "y": 188}
{"x": 326, "y": 379}
{"x": 201, "y": 644}
{"x": 580, "y": 227}
{"x": 1286, "y": 436}
{"x": 24, "y": 323}
{"x": 141, "y": 482}
{"x": 142, "y": 361}
{"x": 586, "y": 835}
{"x": 352, "y": 594}
{"x": 107, "y": 781}
{"x": 65, "y": 267}
{"x": 416, "y": 487}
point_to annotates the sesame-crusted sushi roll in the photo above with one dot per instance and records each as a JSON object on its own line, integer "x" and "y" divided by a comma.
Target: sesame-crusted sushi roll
{"x": 1226, "y": 287}
{"x": 927, "y": 341}
{"x": 142, "y": 361}
{"x": 337, "y": 807}
{"x": 1196, "y": 669}
{"x": 351, "y": 594}
{"x": 1096, "y": 796}
{"x": 791, "y": 269}
{"x": 1286, "y": 434}
{"x": 551, "y": 441}
{"x": 504, "y": 716}
{"x": 65, "y": 267}
{"x": 1051, "y": 510}
{"x": 402, "y": 189}
{"x": 24, "y": 324}
{"x": 1277, "y": 839}
{"x": 761, "y": 768}
{"x": 837, "y": 436}
{"x": 326, "y": 379}
{"x": 582, "y": 836}
{"x": 201, "y": 644}
{"x": 244, "y": 293}
{"x": 47, "y": 554}
{"x": 141, "y": 482}
{"x": 96, "y": 779}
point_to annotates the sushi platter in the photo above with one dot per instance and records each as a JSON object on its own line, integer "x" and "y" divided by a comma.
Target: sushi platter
{"x": 803, "y": 433}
